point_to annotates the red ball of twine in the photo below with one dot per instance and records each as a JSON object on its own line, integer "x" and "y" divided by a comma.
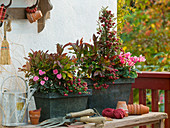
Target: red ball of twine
{"x": 119, "y": 113}
{"x": 113, "y": 113}
{"x": 108, "y": 112}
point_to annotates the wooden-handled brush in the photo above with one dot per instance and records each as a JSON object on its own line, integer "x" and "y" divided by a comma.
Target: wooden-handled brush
{"x": 5, "y": 58}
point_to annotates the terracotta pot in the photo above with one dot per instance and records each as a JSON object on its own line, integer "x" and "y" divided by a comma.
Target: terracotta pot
{"x": 128, "y": 109}
{"x": 144, "y": 109}
{"x": 133, "y": 111}
{"x": 122, "y": 105}
{"x": 136, "y": 109}
{"x": 34, "y": 116}
{"x": 32, "y": 17}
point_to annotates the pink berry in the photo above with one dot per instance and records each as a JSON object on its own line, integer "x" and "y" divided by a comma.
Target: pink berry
{"x": 65, "y": 94}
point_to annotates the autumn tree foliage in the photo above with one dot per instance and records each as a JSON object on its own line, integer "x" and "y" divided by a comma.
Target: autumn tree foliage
{"x": 144, "y": 27}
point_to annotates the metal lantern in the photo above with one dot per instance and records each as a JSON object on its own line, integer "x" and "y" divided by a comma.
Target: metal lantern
{"x": 14, "y": 98}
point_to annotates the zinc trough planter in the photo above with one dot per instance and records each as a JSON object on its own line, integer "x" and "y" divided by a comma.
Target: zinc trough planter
{"x": 108, "y": 98}
{"x": 56, "y": 105}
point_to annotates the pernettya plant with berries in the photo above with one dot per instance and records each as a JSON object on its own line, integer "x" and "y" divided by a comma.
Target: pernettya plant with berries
{"x": 53, "y": 72}
{"x": 104, "y": 60}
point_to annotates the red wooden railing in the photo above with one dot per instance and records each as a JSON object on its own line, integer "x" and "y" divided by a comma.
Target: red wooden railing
{"x": 154, "y": 81}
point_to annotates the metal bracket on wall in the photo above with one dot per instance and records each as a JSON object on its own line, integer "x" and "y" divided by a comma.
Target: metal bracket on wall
{"x": 44, "y": 5}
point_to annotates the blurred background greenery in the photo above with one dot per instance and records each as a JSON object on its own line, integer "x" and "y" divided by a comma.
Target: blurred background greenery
{"x": 144, "y": 28}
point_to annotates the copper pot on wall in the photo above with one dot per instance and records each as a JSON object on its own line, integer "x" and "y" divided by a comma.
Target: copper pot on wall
{"x": 32, "y": 17}
{"x": 32, "y": 13}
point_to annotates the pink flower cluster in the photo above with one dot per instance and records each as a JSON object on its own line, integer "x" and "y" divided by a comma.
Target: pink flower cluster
{"x": 59, "y": 76}
{"x": 130, "y": 60}
{"x": 42, "y": 82}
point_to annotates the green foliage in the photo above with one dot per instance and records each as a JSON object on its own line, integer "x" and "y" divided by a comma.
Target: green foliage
{"x": 104, "y": 59}
{"x": 123, "y": 8}
{"x": 53, "y": 72}
{"x": 146, "y": 31}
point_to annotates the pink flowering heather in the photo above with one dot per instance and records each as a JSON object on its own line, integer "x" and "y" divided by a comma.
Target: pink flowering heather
{"x": 130, "y": 63}
{"x": 127, "y": 55}
{"x": 35, "y": 78}
{"x": 42, "y": 82}
{"x": 130, "y": 60}
{"x": 123, "y": 61}
{"x": 45, "y": 78}
{"x": 135, "y": 59}
{"x": 142, "y": 58}
{"x": 59, "y": 76}
{"x": 55, "y": 71}
{"x": 120, "y": 55}
{"x": 41, "y": 72}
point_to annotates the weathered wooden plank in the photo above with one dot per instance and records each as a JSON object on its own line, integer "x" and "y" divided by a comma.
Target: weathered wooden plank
{"x": 130, "y": 121}
{"x": 142, "y": 99}
{"x": 153, "y": 80}
{"x": 141, "y": 124}
{"x": 147, "y": 74}
{"x": 155, "y": 99}
{"x": 142, "y": 96}
{"x": 131, "y": 97}
{"x": 17, "y": 13}
{"x": 136, "y": 120}
{"x": 167, "y": 108}
{"x": 45, "y": 6}
{"x": 162, "y": 124}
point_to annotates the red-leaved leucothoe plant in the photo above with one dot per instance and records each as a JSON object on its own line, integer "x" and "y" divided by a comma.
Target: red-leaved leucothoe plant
{"x": 104, "y": 59}
{"x": 53, "y": 72}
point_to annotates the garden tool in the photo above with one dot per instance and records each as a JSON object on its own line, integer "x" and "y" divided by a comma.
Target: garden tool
{"x": 87, "y": 112}
{"x": 96, "y": 120}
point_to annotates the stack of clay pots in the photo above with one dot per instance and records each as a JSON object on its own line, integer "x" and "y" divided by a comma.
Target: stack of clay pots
{"x": 137, "y": 109}
{"x": 122, "y": 105}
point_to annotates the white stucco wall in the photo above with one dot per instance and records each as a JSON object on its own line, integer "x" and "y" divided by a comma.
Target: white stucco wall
{"x": 70, "y": 20}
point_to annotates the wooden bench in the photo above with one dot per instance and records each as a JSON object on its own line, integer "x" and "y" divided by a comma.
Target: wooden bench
{"x": 156, "y": 118}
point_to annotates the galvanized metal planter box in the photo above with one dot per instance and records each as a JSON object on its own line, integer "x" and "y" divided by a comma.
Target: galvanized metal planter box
{"x": 55, "y": 105}
{"x": 108, "y": 98}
